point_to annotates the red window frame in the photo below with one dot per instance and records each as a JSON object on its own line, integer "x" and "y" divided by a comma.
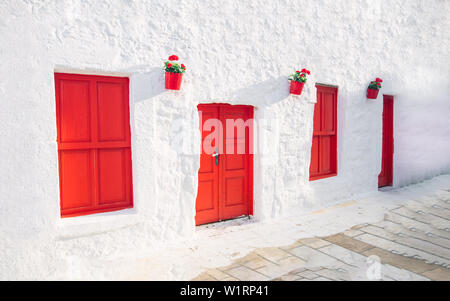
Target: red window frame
{"x": 94, "y": 143}
{"x": 324, "y": 145}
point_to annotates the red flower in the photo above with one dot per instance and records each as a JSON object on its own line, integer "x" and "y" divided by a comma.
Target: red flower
{"x": 173, "y": 57}
{"x": 306, "y": 71}
{"x": 183, "y": 66}
{"x": 169, "y": 65}
{"x": 297, "y": 71}
{"x": 378, "y": 84}
{"x": 302, "y": 75}
{"x": 378, "y": 80}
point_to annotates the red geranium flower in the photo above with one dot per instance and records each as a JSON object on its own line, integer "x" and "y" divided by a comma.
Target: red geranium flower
{"x": 169, "y": 65}
{"x": 378, "y": 84}
{"x": 378, "y": 80}
{"x": 183, "y": 66}
{"x": 173, "y": 57}
{"x": 306, "y": 71}
{"x": 297, "y": 71}
{"x": 302, "y": 75}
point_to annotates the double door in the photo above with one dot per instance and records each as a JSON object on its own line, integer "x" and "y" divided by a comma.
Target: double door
{"x": 225, "y": 177}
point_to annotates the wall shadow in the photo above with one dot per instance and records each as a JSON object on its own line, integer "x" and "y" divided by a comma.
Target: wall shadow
{"x": 147, "y": 84}
{"x": 264, "y": 93}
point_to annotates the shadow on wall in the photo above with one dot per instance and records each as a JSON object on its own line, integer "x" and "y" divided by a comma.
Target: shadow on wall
{"x": 147, "y": 85}
{"x": 263, "y": 94}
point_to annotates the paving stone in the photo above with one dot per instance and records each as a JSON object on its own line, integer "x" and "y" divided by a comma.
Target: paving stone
{"x": 345, "y": 255}
{"x": 334, "y": 274}
{"x": 400, "y": 274}
{"x": 308, "y": 274}
{"x": 321, "y": 279}
{"x": 439, "y": 274}
{"x": 204, "y": 277}
{"x": 291, "y": 262}
{"x": 419, "y": 234}
{"x": 415, "y": 225}
{"x": 246, "y": 274}
{"x": 272, "y": 254}
{"x": 248, "y": 257}
{"x": 314, "y": 242}
{"x": 441, "y": 213}
{"x": 408, "y": 263}
{"x": 409, "y": 241}
{"x": 313, "y": 257}
{"x": 217, "y": 274}
{"x": 352, "y": 232}
{"x": 294, "y": 245}
{"x": 289, "y": 277}
{"x": 437, "y": 222}
{"x": 349, "y": 243}
{"x": 230, "y": 279}
{"x": 400, "y": 249}
{"x": 256, "y": 263}
{"x": 299, "y": 270}
{"x": 356, "y": 227}
{"x": 272, "y": 270}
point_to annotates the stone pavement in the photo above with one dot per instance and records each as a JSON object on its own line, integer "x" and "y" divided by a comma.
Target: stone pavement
{"x": 412, "y": 242}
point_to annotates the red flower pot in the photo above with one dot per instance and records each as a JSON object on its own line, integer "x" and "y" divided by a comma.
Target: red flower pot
{"x": 296, "y": 87}
{"x": 173, "y": 80}
{"x": 372, "y": 93}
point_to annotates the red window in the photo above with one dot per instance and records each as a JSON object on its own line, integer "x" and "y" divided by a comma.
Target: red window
{"x": 94, "y": 146}
{"x": 324, "y": 144}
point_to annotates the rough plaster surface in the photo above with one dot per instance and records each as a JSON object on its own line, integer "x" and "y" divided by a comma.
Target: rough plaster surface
{"x": 236, "y": 52}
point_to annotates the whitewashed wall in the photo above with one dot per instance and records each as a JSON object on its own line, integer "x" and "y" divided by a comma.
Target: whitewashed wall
{"x": 236, "y": 52}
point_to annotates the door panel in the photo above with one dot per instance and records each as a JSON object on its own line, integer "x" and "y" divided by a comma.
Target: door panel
{"x": 230, "y": 181}
{"x": 386, "y": 174}
{"x": 207, "y": 203}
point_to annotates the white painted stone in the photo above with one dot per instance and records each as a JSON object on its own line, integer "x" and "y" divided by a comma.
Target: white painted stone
{"x": 238, "y": 52}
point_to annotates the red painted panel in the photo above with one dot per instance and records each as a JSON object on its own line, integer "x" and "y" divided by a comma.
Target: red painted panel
{"x": 207, "y": 203}
{"x": 386, "y": 174}
{"x": 74, "y": 111}
{"x": 111, "y": 176}
{"x": 75, "y": 177}
{"x": 314, "y": 166}
{"x": 94, "y": 144}
{"x": 229, "y": 189}
{"x": 324, "y": 145}
{"x": 111, "y": 112}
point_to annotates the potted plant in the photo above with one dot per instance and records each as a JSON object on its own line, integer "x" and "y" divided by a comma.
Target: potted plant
{"x": 372, "y": 90}
{"x": 298, "y": 80}
{"x": 174, "y": 73}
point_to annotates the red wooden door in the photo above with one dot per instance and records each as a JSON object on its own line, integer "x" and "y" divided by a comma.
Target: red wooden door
{"x": 324, "y": 145}
{"x": 225, "y": 188}
{"x": 94, "y": 145}
{"x": 385, "y": 176}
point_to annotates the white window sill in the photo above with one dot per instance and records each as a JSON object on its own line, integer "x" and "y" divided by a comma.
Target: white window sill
{"x": 79, "y": 226}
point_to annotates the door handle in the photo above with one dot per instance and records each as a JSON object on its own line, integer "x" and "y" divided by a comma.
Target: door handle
{"x": 216, "y": 154}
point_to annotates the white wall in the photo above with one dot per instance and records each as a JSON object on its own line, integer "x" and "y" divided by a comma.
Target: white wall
{"x": 236, "y": 52}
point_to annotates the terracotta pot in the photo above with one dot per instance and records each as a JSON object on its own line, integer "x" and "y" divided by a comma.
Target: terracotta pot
{"x": 372, "y": 93}
{"x": 296, "y": 87}
{"x": 173, "y": 80}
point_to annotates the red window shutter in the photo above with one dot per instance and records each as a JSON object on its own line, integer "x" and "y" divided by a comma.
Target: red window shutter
{"x": 94, "y": 145}
{"x": 324, "y": 145}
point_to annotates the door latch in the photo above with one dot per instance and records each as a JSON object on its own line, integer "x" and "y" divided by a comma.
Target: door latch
{"x": 216, "y": 154}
